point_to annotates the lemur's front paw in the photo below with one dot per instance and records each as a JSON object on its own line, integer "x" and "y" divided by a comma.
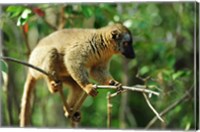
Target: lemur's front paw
{"x": 55, "y": 86}
{"x": 117, "y": 84}
{"x": 91, "y": 90}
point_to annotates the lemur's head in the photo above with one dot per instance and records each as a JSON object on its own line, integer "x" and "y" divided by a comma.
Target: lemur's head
{"x": 123, "y": 40}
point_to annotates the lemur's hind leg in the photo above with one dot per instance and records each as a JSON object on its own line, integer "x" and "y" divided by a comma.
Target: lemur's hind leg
{"x": 75, "y": 93}
{"x": 52, "y": 63}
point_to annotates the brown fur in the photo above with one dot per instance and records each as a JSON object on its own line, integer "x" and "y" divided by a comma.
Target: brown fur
{"x": 70, "y": 55}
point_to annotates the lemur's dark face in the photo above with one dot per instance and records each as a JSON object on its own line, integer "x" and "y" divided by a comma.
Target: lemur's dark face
{"x": 126, "y": 47}
{"x": 123, "y": 39}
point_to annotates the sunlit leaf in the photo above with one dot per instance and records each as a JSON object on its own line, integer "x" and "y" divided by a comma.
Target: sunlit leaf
{"x": 23, "y": 17}
{"x": 15, "y": 10}
{"x": 25, "y": 13}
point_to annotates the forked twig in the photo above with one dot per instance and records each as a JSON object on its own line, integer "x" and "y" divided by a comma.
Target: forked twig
{"x": 152, "y": 108}
{"x": 139, "y": 88}
{"x": 172, "y": 106}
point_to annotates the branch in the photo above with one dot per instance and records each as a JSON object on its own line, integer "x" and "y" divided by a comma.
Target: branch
{"x": 109, "y": 107}
{"x": 172, "y": 106}
{"x": 24, "y": 63}
{"x": 138, "y": 88}
{"x": 152, "y": 108}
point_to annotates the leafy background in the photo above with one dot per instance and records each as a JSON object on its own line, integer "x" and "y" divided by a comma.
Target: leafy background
{"x": 164, "y": 45}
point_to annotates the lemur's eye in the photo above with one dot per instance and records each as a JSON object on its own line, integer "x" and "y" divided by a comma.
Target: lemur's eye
{"x": 125, "y": 44}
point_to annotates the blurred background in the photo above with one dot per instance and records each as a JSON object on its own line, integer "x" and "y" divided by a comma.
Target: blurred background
{"x": 164, "y": 43}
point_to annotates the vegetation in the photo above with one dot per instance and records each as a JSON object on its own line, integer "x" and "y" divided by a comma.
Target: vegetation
{"x": 164, "y": 46}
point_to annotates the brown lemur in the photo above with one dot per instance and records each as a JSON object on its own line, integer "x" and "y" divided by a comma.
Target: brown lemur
{"x": 70, "y": 56}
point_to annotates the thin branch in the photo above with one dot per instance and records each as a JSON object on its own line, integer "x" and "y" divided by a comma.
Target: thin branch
{"x": 117, "y": 93}
{"x": 138, "y": 88}
{"x": 24, "y": 63}
{"x": 109, "y": 107}
{"x": 172, "y": 106}
{"x": 143, "y": 79}
{"x": 152, "y": 108}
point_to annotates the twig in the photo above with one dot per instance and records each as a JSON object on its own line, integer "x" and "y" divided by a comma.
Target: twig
{"x": 117, "y": 93}
{"x": 172, "y": 106}
{"x": 24, "y": 63}
{"x": 146, "y": 98}
{"x": 152, "y": 108}
{"x": 138, "y": 88}
{"x": 143, "y": 79}
{"x": 109, "y": 107}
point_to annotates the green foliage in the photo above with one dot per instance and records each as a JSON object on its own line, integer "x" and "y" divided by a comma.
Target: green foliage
{"x": 21, "y": 12}
{"x": 15, "y": 11}
{"x": 87, "y": 11}
{"x": 163, "y": 42}
{"x": 3, "y": 66}
{"x": 24, "y": 17}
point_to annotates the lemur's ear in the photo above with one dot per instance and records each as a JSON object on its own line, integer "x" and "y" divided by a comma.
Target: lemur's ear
{"x": 115, "y": 34}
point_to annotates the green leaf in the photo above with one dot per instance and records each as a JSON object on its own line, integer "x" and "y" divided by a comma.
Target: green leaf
{"x": 171, "y": 60}
{"x": 69, "y": 9}
{"x": 4, "y": 72}
{"x": 15, "y": 10}
{"x": 177, "y": 75}
{"x": 25, "y": 13}
{"x": 87, "y": 11}
{"x": 21, "y": 21}
{"x": 3, "y": 66}
{"x": 144, "y": 70}
{"x": 24, "y": 17}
